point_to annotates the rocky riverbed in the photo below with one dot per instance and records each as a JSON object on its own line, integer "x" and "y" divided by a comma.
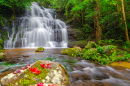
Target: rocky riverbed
{"x": 81, "y": 72}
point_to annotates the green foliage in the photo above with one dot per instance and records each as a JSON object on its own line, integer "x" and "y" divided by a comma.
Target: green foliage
{"x": 9, "y": 8}
{"x": 103, "y": 55}
{"x": 1, "y": 45}
{"x": 75, "y": 51}
{"x": 91, "y": 45}
{"x": 87, "y": 29}
{"x": 110, "y": 41}
{"x": 127, "y": 46}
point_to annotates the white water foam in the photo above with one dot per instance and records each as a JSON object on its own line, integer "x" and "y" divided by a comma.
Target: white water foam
{"x": 38, "y": 28}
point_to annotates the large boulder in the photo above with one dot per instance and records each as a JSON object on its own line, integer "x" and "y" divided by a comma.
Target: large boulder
{"x": 40, "y": 72}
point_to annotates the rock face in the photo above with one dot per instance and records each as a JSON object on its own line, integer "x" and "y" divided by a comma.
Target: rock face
{"x": 74, "y": 34}
{"x": 2, "y": 56}
{"x": 42, "y": 71}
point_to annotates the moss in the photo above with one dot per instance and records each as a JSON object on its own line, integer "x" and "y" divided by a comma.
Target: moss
{"x": 66, "y": 74}
{"x": 2, "y": 56}
{"x": 40, "y": 49}
{"x": 81, "y": 43}
{"x": 64, "y": 51}
{"x": 30, "y": 78}
{"x": 72, "y": 52}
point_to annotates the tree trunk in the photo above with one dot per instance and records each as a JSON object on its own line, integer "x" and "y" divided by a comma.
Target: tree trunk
{"x": 123, "y": 12}
{"x": 96, "y": 23}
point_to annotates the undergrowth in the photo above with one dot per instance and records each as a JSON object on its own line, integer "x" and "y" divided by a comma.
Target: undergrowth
{"x": 102, "y": 53}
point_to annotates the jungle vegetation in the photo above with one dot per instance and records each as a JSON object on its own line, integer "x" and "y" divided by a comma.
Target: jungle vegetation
{"x": 98, "y": 19}
{"x": 106, "y": 19}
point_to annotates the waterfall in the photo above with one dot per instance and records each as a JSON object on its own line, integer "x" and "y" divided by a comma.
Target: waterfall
{"x": 37, "y": 28}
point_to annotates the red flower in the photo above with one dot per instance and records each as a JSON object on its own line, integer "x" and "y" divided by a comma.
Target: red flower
{"x": 52, "y": 85}
{"x": 27, "y": 66}
{"x": 48, "y": 65}
{"x": 42, "y": 65}
{"x": 34, "y": 70}
{"x": 17, "y": 71}
{"x": 40, "y": 84}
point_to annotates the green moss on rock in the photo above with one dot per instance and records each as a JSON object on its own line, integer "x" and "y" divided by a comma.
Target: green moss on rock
{"x": 2, "y": 56}
{"x": 40, "y": 49}
{"x": 30, "y": 78}
{"x": 54, "y": 75}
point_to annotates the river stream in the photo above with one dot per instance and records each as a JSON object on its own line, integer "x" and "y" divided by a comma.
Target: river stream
{"x": 81, "y": 72}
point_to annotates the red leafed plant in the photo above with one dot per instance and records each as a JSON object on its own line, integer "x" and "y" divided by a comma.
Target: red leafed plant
{"x": 45, "y": 66}
{"x": 52, "y": 85}
{"x": 35, "y": 70}
{"x": 48, "y": 65}
{"x": 42, "y": 65}
{"x": 40, "y": 84}
{"x": 17, "y": 71}
{"x": 27, "y": 66}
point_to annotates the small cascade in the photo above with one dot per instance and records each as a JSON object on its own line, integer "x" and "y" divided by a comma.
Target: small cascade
{"x": 38, "y": 28}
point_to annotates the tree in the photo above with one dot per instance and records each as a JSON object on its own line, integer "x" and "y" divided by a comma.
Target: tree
{"x": 96, "y": 22}
{"x": 124, "y": 18}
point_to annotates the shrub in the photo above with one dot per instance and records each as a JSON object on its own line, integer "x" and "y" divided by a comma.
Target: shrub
{"x": 75, "y": 51}
{"x": 91, "y": 44}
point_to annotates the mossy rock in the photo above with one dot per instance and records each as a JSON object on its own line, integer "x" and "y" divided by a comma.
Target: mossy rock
{"x": 40, "y": 49}
{"x": 2, "y": 56}
{"x": 111, "y": 41}
{"x": 55, "y": 75}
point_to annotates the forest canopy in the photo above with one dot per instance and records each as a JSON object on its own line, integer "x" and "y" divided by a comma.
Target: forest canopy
{"x": 103, "y": 18}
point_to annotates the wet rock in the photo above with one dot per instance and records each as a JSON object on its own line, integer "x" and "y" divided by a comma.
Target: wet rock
{"x": 79, "y": 76}
{"x": 18, "y": 43}
{"x": 3, "y": 68}
{"x": 54, "y": 73}
{"x": 40, "y": 49}
{"x": 96, "y": 83}
{"x": 25, "y": 55}
{"x": 77, "y": 67}
{"x": 2, "y": 56}
{"x": 97, "y": 74}
{"x": 80, "y": 83}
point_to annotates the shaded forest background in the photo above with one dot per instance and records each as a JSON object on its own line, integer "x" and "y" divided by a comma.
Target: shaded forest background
{"x": 97, "y": 19}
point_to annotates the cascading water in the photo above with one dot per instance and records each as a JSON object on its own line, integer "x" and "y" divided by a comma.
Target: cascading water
{"x": 38, "y": 28}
